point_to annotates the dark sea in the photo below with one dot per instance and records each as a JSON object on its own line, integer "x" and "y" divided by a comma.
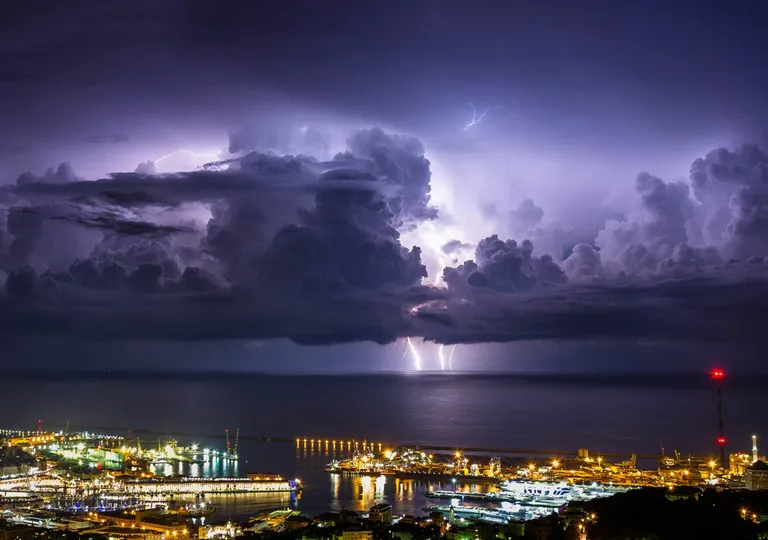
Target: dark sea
{"x": 616, "y": 413}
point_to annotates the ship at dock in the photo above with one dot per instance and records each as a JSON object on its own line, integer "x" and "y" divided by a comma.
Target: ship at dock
{"x": 196, "y": 485}
{"x": 54, "y": 483}
{"x": 415, "y": 464}
{"x": 548, "y": 494}
{"x": 500, "y": 516}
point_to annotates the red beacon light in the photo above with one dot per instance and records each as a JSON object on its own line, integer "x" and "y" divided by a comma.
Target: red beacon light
{"x": 721, "y": 441}
{"x": 718, "y": 374}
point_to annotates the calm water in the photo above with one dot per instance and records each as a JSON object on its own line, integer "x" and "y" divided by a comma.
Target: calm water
{"x": 603, "y": 414}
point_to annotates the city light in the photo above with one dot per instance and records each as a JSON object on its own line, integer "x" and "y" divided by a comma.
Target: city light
{"x": 717, "y": 374}
{"x": 562, "y": 481}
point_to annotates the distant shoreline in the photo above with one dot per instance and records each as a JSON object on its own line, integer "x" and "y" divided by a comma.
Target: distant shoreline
{"x": 685, "y": 380}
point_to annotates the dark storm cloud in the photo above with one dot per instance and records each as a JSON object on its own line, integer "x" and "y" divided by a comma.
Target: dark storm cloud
{"x": 638, "y": 245}
{"x": 33, "y": 306}
{"x": 348, "y": 239}
{"x": 727, "y": 309}
{"x": 311, "y": 251}
{"x": 401, "y": 161}
{"x": 504, "y": 266}
{"x": 126, "y": 189}
{"x": 711, "y": 310}
{"x": 343, "y": 254}
{"x": 129, "y": 198}
{"x": 63, "y": 174}
{"x": 115, "y": 138}
{"x": 453, "y": 246}
{"x": 102, "y": 220}
{"x": 642, "y": 277}
{"x": 733, "y": 189}
{"x": 253, "y": 174}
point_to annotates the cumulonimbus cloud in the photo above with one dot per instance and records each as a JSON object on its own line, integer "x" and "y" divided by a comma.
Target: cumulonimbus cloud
{"x": 311, "y": 251}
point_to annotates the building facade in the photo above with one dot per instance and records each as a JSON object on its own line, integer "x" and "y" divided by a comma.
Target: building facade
{"x": 354, "y": 535}
{"x": 756, "y": 475}
{"x": 381, "y": 513}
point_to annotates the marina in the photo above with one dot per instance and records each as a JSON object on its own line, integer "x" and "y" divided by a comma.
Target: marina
{"x": 554, "y": 495}
{"x": 491, "y": 515}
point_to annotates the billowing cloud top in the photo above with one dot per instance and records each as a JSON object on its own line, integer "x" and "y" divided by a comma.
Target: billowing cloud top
{"x": 294, "y": 247}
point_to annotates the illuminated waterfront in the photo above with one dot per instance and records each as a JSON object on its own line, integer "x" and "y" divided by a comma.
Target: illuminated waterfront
{"x": 432, "y": 410}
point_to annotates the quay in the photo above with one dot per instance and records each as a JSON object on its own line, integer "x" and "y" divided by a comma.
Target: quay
{"x": 529, "y": 452}
{"x": 208, "y": 485}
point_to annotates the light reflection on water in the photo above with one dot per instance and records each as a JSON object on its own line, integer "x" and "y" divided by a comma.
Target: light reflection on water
{"x": 214, "y": 468}
{"x": 360, "y": 493}
{"x": 227, "y": 505}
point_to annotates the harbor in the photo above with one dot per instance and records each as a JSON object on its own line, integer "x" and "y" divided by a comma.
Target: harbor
{"x": 102, "y": 474}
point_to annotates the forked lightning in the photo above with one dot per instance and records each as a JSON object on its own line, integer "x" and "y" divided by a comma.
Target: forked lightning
{"x": 476, "y": 117}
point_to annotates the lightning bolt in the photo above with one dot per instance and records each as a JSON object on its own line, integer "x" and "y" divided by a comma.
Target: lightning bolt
{"x": 187, "y": 152}
{"x": 450, "y": 358}
{"x": 476, "y": 117}
{"x": 414, "y": 353}
{"x": 441, "y": 356}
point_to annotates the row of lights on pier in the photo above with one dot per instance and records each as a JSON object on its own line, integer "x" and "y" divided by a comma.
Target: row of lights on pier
{"x": 332, "y": 443}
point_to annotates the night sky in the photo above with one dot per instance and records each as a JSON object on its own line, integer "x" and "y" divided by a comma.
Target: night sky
{"x": 300, "y": 185}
